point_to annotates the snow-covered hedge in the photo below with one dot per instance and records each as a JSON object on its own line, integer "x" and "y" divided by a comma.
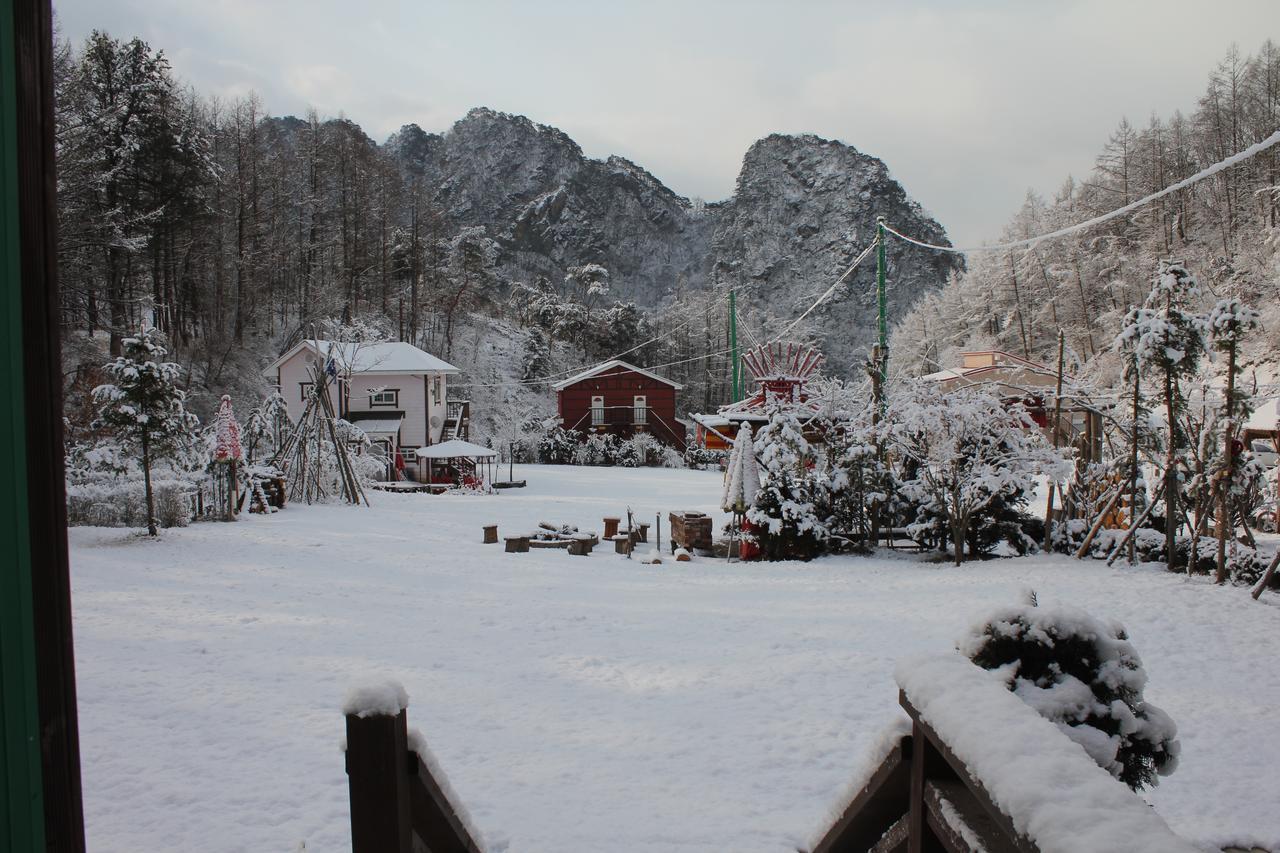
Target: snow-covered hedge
{"x": 560, "y": 446}
{"x": 121, "y": 502}
{"x": 1084, "y": 675}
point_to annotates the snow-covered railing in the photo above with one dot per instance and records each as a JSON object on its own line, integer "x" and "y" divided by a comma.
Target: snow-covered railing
{"x": 401, "y": 801}
{"x": 982, "y": 770}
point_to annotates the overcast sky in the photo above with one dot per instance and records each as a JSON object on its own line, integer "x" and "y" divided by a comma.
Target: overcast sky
{"x": 970, "y": 104}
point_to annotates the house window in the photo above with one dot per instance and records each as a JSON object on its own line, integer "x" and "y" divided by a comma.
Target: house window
{"x": 385, "y": 397}
{"x": 641, "y": 410}
{"x": 305, "y": 389}
{"x": 435, "y": 391}
{"x": 597, "y": 411}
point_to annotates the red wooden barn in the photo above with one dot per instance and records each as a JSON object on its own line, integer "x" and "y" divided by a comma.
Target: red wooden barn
{"x": 623, "y": 399}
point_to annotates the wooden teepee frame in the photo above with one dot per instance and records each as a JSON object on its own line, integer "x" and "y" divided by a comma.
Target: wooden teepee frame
{"x": 299, "y": 457}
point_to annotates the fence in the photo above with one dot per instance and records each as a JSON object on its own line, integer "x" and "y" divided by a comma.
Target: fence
{"x": 397, "y": 804}
{"x": 980, "y": 770}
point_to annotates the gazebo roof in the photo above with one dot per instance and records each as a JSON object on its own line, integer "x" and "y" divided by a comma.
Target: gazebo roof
{"x": 456, "y": 448}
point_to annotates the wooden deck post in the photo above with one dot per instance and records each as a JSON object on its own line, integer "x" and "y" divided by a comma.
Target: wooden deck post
{"x": 378, "y": 776}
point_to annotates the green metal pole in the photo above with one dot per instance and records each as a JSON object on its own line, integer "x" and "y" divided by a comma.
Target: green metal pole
{"x": 733, "y": 345}
{"x": 880, "y": 273}
{"x": 21, "y": 778}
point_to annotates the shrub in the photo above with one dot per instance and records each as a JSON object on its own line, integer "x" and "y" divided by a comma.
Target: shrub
{"x": 1083, "y": 674}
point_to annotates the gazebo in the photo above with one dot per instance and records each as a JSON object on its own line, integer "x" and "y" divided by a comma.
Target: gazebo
{"x": 457, "y": 463}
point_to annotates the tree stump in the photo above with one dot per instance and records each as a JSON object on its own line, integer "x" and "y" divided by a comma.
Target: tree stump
{"x": 611, "y": 527}
{"x": 491, "y": 534}
{"x": 642, "y": 530}
{"x": 517, "y": 544}
{"x": 622, "y": 544}
{"x": 581, "y": 547}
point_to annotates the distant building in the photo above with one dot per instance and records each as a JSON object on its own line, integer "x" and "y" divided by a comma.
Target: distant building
{"x": 782, "y": 373}
{"x": 395, "y": 392}
{"x": 1021, "y": 380}
{"x": 622, "y": 399}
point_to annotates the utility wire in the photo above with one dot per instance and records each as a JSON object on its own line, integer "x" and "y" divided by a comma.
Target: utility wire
{"x": 1234, "y": 159}
{"x": 823, "y": 298}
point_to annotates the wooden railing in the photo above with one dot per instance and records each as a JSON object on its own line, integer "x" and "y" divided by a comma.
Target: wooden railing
{"x": 457, "y": 420}
{"x": 922, "y": 798}
{"x": 397, "y": 804}
{"x": 925, "y": 797}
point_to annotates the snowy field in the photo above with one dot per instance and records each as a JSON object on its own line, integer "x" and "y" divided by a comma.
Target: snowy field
{"x": 579, "y": 704}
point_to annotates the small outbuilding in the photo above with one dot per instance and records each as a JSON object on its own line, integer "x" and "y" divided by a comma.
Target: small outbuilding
{"x": 619, "y": 398}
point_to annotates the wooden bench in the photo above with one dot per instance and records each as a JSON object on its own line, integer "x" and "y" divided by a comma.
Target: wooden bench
{"x": 548, "y": 543}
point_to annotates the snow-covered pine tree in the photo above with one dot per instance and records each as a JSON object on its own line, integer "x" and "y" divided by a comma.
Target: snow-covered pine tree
{"x": 860, "y": 484}
{"x": 1169, "y": 338}
{"x": 1230, "y": 322}
{"x": 783, "y": 514}
{"x": 1126, "y": 344}
{"x": 143, "y": 407}
{"x": 1083, "y": 674}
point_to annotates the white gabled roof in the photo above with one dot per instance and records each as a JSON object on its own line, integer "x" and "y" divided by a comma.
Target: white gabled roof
{"x": 608, "y": 365}
{"x": 386, "y": 357}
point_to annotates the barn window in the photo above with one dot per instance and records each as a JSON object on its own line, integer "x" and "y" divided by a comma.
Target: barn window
{"x": 641, "y": 410}
{"x": 597, "y": 411}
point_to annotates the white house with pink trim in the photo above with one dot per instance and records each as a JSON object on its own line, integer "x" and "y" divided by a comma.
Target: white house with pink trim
{"x": 395, "y": 392}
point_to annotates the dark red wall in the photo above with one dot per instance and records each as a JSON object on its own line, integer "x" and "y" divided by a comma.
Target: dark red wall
{"x": 619, "y": 388}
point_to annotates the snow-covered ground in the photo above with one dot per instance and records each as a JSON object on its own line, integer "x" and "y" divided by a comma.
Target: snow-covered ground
{"x": 580, "y": 704}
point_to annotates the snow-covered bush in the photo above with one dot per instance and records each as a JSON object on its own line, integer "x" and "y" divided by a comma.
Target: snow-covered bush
{"x": 597, "y": 449}
{"x": 967, "y": 460}
{"x": 702, "y": 458}
{"x": 1083, "y": 674}
{"x": 122, "y": 502}
{"x": 639, "y": 451}
{"x": 557, "y": 446}
{"x": 783, "y": 516}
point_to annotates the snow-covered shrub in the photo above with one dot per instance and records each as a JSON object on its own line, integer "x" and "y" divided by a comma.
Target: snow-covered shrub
{"x": 598, "y": 449}
{"x": 122, "y": 502}
{"x": 968, "y": 459}
{"x": 639, "y": 451}
{"x": 1083, "y": 674}
{"x": 783, "y": 515}
{"x": 702, "y": 457}
{"x": 669, "y": 457}
{"x": 557, "y": 446}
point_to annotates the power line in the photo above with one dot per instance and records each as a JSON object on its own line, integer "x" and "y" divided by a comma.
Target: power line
{"x": 1234, "y": 159}
{"x": 823, "y": 298}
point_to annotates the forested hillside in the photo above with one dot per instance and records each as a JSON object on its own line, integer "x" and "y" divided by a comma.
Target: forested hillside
{"x": 496, "y": 244}
{"x": 1224, "y": 229}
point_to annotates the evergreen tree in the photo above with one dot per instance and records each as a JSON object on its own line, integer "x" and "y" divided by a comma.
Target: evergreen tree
{"x": 1168, "y": 336}
{"x": 783, "y": 514}
{"x": 143, "y": 407}
{"x": 1229, "y": 323}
